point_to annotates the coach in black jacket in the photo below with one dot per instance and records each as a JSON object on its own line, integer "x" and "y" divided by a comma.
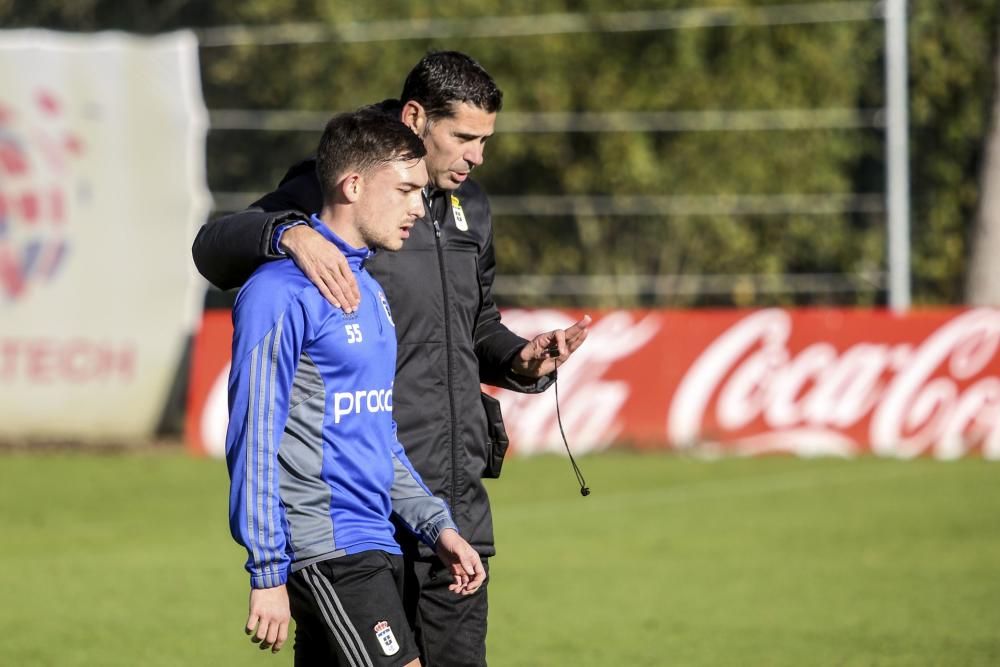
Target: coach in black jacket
{"x": 448, "y": 327}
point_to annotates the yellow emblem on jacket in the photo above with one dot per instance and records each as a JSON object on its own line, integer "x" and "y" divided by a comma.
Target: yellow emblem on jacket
{"x": 459, "y": 214}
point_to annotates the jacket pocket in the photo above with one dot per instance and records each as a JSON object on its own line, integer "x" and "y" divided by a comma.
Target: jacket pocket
{"x": 497, "y": 435}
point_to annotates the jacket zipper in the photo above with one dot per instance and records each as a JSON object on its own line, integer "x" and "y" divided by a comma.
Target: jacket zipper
{"x": 447, "y": 344}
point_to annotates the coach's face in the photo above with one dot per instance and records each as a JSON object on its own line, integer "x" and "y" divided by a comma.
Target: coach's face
{"x": 391, "y": 202}
{"x": 454, "y": 144}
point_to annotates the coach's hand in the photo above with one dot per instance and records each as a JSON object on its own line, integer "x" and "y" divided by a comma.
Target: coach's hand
{"x": 546, "y": 351}
{"x": 463, "y": 561}
{"x": 324, "y": 265}
{"x": 269, "y": 616}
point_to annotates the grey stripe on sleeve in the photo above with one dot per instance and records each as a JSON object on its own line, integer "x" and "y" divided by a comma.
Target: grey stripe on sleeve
{"x": 249, "y": 460}
{"x": 424, "y": 513}
{"x": 269, "y": 443}
{"x": 260, "y": 453}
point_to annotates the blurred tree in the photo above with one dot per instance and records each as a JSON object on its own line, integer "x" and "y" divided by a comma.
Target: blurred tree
{"x": 952, "y": 52}
{"x": 983, "y": 288}
{"x": 836, "y": 65}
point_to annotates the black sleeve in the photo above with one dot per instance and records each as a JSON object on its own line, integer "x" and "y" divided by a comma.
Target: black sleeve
{"x": 495, "y": 344}
{"x": 228, "y": 249}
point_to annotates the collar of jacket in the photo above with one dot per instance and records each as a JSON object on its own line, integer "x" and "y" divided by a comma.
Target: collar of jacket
{"x": 355, "y": 256}
{"x": 436, "y": 201}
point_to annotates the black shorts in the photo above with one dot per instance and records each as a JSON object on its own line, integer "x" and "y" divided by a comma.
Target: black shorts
{"x": 348, "y": 612}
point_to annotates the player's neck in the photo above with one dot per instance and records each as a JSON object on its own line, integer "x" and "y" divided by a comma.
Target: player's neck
{"x": 341, "y": 223}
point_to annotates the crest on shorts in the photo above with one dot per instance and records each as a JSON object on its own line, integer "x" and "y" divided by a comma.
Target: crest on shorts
{"x": 386, "y": 639}
{"x": 459, "y": 214}
{"x": 385, "y": 307}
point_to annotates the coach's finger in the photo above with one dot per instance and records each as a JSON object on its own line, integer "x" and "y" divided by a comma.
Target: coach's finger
{"x": 341, "y": 284}
{"x": 323, "y": 285}
{"x": 559, "y": 342}
{"x": 578, "y": 332}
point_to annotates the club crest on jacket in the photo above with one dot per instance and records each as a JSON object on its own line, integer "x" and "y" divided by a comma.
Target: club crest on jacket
{"x": 459, "y": 214}
{"x": 385, "y": 307}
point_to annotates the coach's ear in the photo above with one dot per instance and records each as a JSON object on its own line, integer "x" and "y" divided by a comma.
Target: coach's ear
{"x": 414, "y": 117}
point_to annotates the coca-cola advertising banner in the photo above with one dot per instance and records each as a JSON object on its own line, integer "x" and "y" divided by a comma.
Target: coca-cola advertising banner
{"x": 810, "y": 382}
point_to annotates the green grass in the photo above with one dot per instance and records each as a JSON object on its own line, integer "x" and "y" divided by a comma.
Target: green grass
{"x": 126, "y": 560}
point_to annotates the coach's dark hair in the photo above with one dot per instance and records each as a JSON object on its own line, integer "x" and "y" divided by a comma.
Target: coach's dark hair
{"x": 361, "y": 141}
{"x": 443, "y": 78}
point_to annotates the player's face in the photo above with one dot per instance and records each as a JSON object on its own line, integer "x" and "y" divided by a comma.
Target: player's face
{"x": 392, "y": 202}
{"x": 455, "y": 144}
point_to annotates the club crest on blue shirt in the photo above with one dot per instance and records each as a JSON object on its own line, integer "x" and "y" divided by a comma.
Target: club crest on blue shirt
{"x": 385, "y": 307}
{"x": 386, "y": 640}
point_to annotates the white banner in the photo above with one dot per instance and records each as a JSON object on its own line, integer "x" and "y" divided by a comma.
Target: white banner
{"x": 102, "y": 185}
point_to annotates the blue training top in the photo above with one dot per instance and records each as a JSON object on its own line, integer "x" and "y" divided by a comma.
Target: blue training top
{"x": 314, "y": 463}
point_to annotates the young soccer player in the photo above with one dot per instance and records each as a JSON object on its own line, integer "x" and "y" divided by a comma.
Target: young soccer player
{"x": 315, "y": 466}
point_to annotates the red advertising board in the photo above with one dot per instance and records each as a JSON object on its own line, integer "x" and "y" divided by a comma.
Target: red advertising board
{"x": 807, "y": 381}
{"x": 208, "y": 404}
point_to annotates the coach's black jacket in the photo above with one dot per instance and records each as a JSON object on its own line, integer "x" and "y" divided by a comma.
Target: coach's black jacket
{"x": 448, "y": 327}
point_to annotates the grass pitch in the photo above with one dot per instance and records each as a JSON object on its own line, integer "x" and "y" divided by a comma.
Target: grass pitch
{"x": 126, "y": 560}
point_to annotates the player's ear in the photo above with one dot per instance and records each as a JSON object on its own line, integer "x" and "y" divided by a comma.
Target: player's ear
{"x": 414, "y": 117}
{"x": 351, "y": 187}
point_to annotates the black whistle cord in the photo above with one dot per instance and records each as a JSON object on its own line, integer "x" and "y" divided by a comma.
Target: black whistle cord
{"x": 584, "y": 489}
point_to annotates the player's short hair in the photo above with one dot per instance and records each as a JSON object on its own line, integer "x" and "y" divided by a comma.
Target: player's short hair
{"x": 362, "y": 141}
{"x": 444, "y": 78}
